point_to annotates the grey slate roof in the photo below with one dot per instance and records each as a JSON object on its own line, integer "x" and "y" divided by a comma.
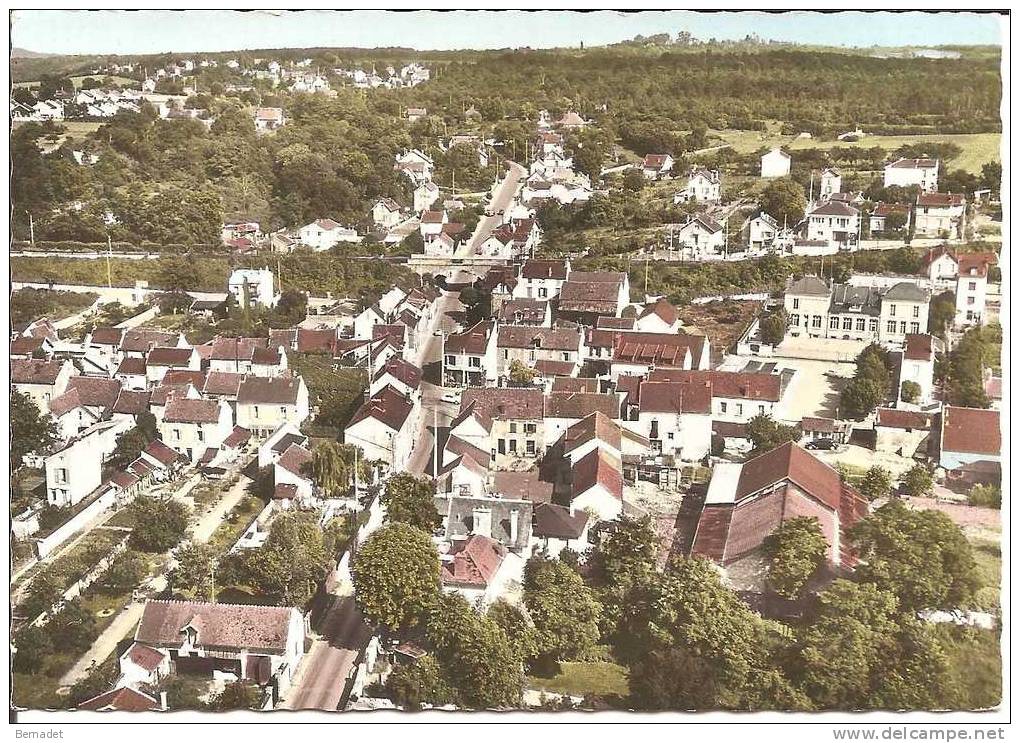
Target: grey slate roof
{"x": 461, "y": 518}
{"x": 811, "y": 286}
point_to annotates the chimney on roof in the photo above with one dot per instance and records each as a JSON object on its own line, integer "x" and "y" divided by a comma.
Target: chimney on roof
{"x": 481, "y": 521}
{"x": 513, "y": 526}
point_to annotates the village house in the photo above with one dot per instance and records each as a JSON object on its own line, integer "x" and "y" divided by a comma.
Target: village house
{"x": 700, "y": 238}
{"x": 940, "y": 215}
{"x": 762, "y": 231}
{"x": 479, "y": 568}
{"x": 425, "y": 195}
{"x": 675, "y": 417}
{"x": 542, "y": 278}
{"x": 901, "y": 432}
{"x": 775, "y": 164}
{"x": 385, "y": 427}
{"x": 922, "y": 172}
{"x": 703, "y": 185}
{"x": 747, "y": 502}
{"x": 655, "y": 167}
{"x": 565, "y": 408}
{"x": 596, "y": 485}
{"x": 262, "y": 644}
{"x": 161, "y": 359}
{"x": 323, "y": 234}
{"x": 972, "y": 287}
{"x": 264, "y": 404}
{"x": 637, "y": 353}
{"x": 269, "y": 119}
{"x": 830, "y": 182}
{"x": 255, "y": 286}
{"x": 587, "y": 294}
{"x": 835, "y": 223}
{"x": 386, "y": 213}
{"x": 529, "y": 345}
{"x": 416, "y": 165}
{"x": 534, "y": 312}
{"x": 967, "y": 436}
{"x": 883, "y": 216}
{"x": 75, "y": 469}
{"x": 659, "y": 316}
{"x": 737, "y": 397}
{"x": 883, "y": 313}
{"x": 71, "y": 415}
{"x": 917, "y": 364}
{"x": 501, "y": 516}
{"x": 193, "y": 427}
{"x": 507, "y": 422}
{"x": 469, "y": 357}
{"x": 292, "y": 484}
{"x": 40, "y": 380}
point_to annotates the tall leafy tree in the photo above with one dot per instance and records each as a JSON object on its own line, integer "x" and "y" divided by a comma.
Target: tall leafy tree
{"x": 410, "y": 500}
{"x": 30, "y": 429}
{"x": 396, "y": 576}
{"x": 795, "y": 551}
{"x": 564, "y": 610}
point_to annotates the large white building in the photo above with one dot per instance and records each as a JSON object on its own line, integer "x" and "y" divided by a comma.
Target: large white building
{"x": 253, "y": 285}
{"x": 835, "y": 223}
{"x": 923, "y": 172}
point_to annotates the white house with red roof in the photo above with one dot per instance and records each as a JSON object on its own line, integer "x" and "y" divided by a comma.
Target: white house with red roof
{"x": 655, "y": 166}
{"x": 834, "y": 222}
{"x": 469, "y": 356}
{"x": 479, "y": 568}
{"x": 775, "y": 164}
{"x": 972, "y": 287}
{"x": 596, "y": 484}
{"x": 922, "y": 172}
{"x": 703, "y": 185}
{"x": 917, "y": 364}
{"x": 675, "y": 417}
{"x": 193, "y": 427}
{"x": 268, "y": 119}
{"x": 659, "y": 316}
{"x": 385, "y": 427}
{"x": 41, "y": 380}
{"x": 542, "y": 278}
{"x": 967, "y": 436}
{"x": 940, "y": 215}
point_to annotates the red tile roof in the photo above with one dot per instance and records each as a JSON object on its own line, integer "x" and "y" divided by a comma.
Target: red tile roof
{"x": 183, "y": 410}
{"x": 185, "y": 376}
{"x": 219, "y": 626}
{"x": 553, "y": 521}
{"x": 662, "y": 349}
{"x": 594, "y": 426}
{"x": 222, "y": 383}
{"x": 96, "y": 392}
{"x": 65, "y": 403}
{"x": 940, "y": 200}
{"x": 294, "y": 460}
{"x": 169, "y": 356}
{"x": 664, "y": 309}
{"x": 580, "y": 404}
{"x": 892, "y": 418}
{"x": 144, "y": 656}
{"x": 739, "y": 385}
{"x": 526, "y": 336}
{"x": 549, "y": 368}
{"x": 33, "y": 371}
{"x": 269, "y": 390}
{"x": 791, "y": 462}
{"x": 971, "y": 431}
{"x": 131, "y": 402}
{"x": 237, "y": 437}
{"x": 310, "y": 340}
{"x": 387, "y": 406}
{"x": 675, "y": 397}
{"x": 132, "y": 366}
{"x": 124, "y": 699}
{"x": 473, "y": 340}
{"x": 107, "y": 336}
{"x": 598, "y": 467}
{"x": 504, "y": 403}
{"x": 918, "y": 347}
{"x": 575, "y": 384}
{"x": 474, "y": 562}
{"x": 162, "y": 453}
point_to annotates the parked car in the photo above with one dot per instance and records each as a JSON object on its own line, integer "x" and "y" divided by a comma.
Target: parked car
{"x": 451, "y": 397}
{"x": 822, "y": 445}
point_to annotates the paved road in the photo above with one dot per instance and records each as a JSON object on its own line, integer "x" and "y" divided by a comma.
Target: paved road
{"x": 320, "y": 680}
{"x": 501, "y": 199}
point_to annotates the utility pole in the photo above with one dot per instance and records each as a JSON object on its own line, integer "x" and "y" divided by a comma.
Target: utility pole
{"x": 109, "y": 252}
{"x": 31, "y": 228}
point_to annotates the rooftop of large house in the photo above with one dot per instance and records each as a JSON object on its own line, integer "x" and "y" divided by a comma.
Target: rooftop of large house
{"x": 663, "y": 349}
{"x": 739, "y": 385}
{"x": 580, "y": 404}
{"x": 597, "y": 468}
{"x": 183, "y": 410}
{"x": 503, "y": 403}
{"x": 269, "y": 390}
{"x": 34, "y": 371}
{"x": 540, "y": 268}
{"x": 940, "y": 200}
{"x": 387, "y": 406}
{"x": 231, "y": 627}
{"x": 473, "y": 340}
{"x": 524, "y": 336}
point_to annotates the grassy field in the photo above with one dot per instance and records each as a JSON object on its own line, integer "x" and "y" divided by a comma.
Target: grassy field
{"x": 978, "y": 149}
{"x": 31, "y": 304}
{"x": 578, "y": 679}
{"x": 975, "y": 658}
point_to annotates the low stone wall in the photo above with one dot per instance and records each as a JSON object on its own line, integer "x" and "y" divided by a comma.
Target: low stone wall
{"x": 48, "y": 544}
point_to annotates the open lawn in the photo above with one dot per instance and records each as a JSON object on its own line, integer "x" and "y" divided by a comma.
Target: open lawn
{"x": 978, "y": 149}
{"x": 236, "y": 522}
{"x": 988, "y": 555}
{"x": 579, "y": 679}
{"x": 975, "y": 659}
{"x": 31, "y": 304}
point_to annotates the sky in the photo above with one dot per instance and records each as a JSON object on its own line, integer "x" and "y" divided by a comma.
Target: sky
{"x": 156, "y": 31}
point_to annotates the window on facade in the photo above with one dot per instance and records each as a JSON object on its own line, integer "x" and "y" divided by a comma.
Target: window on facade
{"x": 513, "y": 446}
{"x": 530, "y": 428}
{"x": 915, "y": 327}
{"x": 566, "y": 355}
{"x": 816, "y": 321}
{"x": 529, "y": 447}
{"x": 201, "y": 434}
{"x": 917, "y": 311}
{"x": 474, "y": 361}
{"x": 833, "y": 323}
{"x": 506, "y": 353}
{"x": 722, "y": 407}
{"x": 653, "y": 432}
{"x": 255, "y": 410}
{"x": 903, "y": 327}
{"x": 669, "y": 435}
{"x": 970, "y": 300}
{"x": 891, "y": 326}
{"x": 761, "y": 410}
{"x": 501, "y": 446}
{"x": 543, "y": 293}
{"x": 796, "y": 304}
{"x": 513, "y": 428}
{"x": 740, "y": 408}
{"x": 892, "y": 310}
{"x": 860, "y": 323}
{"x": 873, "y": 325}
{"x": 848, "y": 323}
{"x": 450, "y": 360}
{"x": 61, "y": 475}
{"x": 177, "y": 434}
{"x": 972, "y": 285}
{"x": 795, "y": 320}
